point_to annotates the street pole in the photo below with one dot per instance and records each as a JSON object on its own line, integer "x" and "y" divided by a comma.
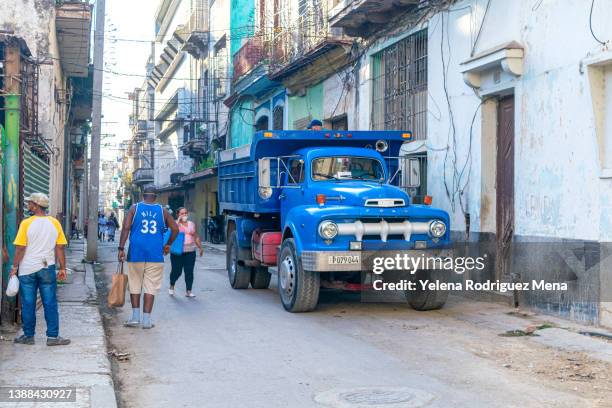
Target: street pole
{"x": 94, "y": 170}
{"x": 12, "y": 107}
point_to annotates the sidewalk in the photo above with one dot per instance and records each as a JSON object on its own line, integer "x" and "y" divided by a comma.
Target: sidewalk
{"x": 82, "y": 364}
{"x": 217, "y": 247}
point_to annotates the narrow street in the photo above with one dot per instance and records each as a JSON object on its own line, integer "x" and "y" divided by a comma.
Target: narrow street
{"x": 239, "y": 348}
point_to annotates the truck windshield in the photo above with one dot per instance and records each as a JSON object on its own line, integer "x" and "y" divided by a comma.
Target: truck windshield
{"x": 347, "y": 168}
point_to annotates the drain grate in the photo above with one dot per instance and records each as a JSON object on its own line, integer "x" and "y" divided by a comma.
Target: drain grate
{"x": 368, "y": 397}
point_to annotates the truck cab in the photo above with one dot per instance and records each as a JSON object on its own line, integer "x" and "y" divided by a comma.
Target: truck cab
{"x": 318, "y": 205}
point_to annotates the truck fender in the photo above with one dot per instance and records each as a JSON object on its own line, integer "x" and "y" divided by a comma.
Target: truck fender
{"x": 291, "y": 231}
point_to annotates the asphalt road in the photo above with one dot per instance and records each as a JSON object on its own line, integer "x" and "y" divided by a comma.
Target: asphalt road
{"x": 239, "y": 348}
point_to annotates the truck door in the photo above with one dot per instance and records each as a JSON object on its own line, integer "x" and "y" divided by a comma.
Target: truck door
{"x": 292, "y": 192}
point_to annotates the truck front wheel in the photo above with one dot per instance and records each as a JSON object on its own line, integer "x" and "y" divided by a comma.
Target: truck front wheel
{"x": 299, "y": 289}
{"x": 428, "y": 299}
{"x": 239, "y": 275}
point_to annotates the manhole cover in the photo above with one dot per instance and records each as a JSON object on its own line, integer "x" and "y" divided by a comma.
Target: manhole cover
{"x": 369, "y": 397}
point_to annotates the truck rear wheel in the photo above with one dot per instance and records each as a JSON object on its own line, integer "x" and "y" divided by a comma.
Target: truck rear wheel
{"x": 239, "y": 275}
{"x": 299, "y": 289}
{"x": 426, "y": 299}
{"x": 260, "y": 278}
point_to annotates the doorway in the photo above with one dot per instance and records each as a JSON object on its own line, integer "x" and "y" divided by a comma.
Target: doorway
{"x": 505, "y": 187}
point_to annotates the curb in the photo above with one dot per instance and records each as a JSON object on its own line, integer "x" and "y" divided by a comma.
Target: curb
{"x": 102, "y": 396}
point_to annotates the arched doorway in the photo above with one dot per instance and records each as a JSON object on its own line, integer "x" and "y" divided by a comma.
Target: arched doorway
{"x": 261, "y": 124}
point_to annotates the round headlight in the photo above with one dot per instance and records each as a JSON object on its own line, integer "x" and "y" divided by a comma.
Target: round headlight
{"x": 265, "y": 192}
{"x": 437, "y": 229}
{"x": 328, "y": 230}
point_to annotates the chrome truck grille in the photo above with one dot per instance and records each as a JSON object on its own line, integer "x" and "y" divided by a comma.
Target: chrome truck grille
{"x": 385, "y": 202}
{"x": 383, "y": 229}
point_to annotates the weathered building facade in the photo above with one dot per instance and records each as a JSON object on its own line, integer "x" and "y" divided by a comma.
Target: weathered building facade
{"x": 45, "y": 105}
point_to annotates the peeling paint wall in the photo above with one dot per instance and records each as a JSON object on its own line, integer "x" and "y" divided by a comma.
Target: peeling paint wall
{"x": 558, "y": 192}
{"x": 558, "y": 189}
{"x": 34, "y": 21}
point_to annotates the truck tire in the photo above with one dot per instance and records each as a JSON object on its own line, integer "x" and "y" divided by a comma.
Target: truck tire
{"x": 260, "y": 278}
{"x": 239, "y": 275}
{"x": 427, "y": 299}
{"x": 298, "y": 289}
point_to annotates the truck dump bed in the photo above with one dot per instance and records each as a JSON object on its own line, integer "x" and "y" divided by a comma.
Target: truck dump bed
{"x": 238, "y": 170}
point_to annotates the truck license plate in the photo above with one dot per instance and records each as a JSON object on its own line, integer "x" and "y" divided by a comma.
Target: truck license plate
{"x": 344, "y": 259}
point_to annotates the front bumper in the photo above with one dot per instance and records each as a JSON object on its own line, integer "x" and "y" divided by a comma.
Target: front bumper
{"x": 332, "y": 261}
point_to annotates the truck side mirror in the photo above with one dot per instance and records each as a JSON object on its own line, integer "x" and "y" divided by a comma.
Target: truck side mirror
{"x": 264, "y": 172}
{"x": 413, "y": 175}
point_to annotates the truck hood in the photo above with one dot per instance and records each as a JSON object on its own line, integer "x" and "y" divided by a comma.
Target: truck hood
{"x": 356, "y": 193}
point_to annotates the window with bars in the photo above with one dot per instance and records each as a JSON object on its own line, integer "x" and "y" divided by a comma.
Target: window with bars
{"x": 399, "y": 97}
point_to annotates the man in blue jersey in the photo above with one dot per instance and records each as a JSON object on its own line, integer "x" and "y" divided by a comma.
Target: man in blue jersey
{"x": 145, "y": 224}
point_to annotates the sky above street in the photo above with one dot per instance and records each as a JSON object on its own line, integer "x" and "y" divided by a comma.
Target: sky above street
{"x": 129, "y": 31}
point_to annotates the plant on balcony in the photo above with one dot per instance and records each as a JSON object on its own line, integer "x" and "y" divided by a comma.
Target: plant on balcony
{"x": 206, "y": 163}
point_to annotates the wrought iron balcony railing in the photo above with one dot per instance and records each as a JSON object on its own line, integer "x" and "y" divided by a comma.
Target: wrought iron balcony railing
{"x": 143, "y": 176}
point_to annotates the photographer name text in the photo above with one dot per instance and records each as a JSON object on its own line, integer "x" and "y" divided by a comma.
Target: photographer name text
{"x": 468, "y": 285}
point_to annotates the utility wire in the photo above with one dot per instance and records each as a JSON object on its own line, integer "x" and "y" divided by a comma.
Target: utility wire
{"x": 591, "y": 25}
{"x": 480, "y": 29}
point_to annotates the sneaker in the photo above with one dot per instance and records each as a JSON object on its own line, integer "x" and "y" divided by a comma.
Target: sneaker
{"x": 171, "y": 292}
{"x": 190, "y": 295}
{"x": 23, "y": 339}
{"x": 150, "y": 325}
{"x": 131, "y": 323}
{"x": 57, "y": 341}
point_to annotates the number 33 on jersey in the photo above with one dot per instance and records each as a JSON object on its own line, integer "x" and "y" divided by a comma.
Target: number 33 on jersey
{"x": 147, "y": 234}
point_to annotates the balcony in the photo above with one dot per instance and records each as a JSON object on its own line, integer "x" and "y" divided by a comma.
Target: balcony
{"x": 360, "y": 18}
{"x": 194, "y": 34}
{"x": 142, "y": 176}
{"x": 141, "y": 129}
{"x": 308, "y": 50}
{"x": 73, "y": 26}
{"x": 251, "y": 55}
{"x": 196, "y": 148}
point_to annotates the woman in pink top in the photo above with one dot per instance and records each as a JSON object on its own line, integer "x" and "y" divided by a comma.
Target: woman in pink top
{"x": 187, "y": 259}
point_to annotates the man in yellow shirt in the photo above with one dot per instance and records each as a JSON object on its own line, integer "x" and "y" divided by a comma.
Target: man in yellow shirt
{"x": 39, "y": 244}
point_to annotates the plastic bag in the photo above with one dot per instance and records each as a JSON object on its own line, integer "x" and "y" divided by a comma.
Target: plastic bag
{"x": 12, "y": 289}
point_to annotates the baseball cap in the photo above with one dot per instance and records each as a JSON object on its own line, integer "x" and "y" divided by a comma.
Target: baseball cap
{"x": 315, "y": 122}
{"x": 39, "y": 199}
{"x": 150, "y": 189}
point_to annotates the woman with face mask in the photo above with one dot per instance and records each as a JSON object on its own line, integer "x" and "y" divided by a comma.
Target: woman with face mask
{"x": 185, "y": 261}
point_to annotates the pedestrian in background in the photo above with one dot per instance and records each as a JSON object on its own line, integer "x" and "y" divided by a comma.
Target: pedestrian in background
{"x": 111, "y": 227}
{"x": 186, "y": 260}
{"x": 74, "y": 229}
{"x": 145, "y": 225}
{"x": 39, "y": 244}
{"x": 101, "y": 226}
{"x": 315, "y": 124}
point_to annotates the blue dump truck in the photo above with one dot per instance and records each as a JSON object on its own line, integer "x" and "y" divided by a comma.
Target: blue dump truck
{"x": 317, "y": 205}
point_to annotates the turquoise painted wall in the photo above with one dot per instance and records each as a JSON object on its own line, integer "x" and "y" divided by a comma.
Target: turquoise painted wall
{"x": 242, "y": 23}
{"x": 242, "y": 120}
{"x": 310, "y": 104}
